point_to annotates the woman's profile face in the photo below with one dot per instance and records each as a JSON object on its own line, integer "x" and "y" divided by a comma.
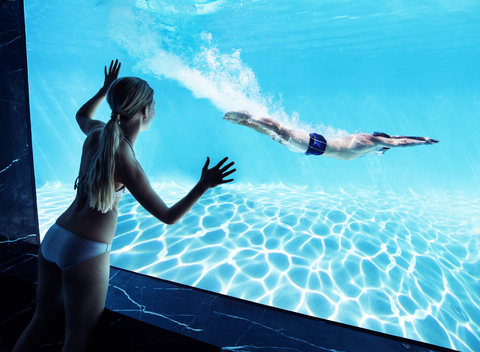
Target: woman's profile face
{"x": 150, "y": 114}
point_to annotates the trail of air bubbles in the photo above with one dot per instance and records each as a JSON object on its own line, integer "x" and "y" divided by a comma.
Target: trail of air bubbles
{"x": 156, "y": 36}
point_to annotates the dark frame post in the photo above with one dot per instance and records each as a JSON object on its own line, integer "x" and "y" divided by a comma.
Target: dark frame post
{"x": 18, "y": 204}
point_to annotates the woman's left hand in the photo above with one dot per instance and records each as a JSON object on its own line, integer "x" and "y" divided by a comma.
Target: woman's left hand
{"x": 111, "y": 75}
{"x": 216, "y": 175}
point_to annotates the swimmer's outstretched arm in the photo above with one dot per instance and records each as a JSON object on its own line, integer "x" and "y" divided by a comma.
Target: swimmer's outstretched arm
{"x": 294, "y": 139}
{"x": 260, "y": 124}
{"x": 87, "y": 111}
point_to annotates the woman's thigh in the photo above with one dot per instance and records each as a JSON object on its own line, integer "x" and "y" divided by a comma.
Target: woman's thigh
{"x": 49, "y": 299}
{"x": 85, "y": 291}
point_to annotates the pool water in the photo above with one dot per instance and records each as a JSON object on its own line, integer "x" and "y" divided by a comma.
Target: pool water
{"x": 388, "y": 243}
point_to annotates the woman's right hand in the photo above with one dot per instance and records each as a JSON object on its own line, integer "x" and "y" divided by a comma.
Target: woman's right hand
{"x": 111, "y": 75}
{"x": 85, "y": 114}
{"x": 216, "y": 175}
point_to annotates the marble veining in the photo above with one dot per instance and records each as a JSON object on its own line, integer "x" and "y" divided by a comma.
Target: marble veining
{"x": 13, "y": 162}
{"x": 29, "y": 257}
{"x": 9, "y": 30}
{"x": 279, "y": 331}
{"x": 19, "y": 239}
{"x": 142, "y": 309}
{"x": 13, "y": 102}
{"x": 11, "y": 41}
{"x": 16, "y": 314}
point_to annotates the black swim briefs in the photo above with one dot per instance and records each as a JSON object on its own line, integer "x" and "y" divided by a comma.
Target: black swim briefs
{"x": 317, "y": 144}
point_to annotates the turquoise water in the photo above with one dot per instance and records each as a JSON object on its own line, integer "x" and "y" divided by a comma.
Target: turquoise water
{"x": 388, "y": 243}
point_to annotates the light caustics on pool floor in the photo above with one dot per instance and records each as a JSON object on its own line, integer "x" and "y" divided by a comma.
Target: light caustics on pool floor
{"x": 405, "y": 264}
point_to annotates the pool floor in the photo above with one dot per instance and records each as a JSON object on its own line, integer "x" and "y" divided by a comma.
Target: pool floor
{"x": 403, "y": 264}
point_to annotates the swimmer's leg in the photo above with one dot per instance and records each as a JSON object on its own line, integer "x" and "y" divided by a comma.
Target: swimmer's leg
{"x": 427, "y": 140}
{"x": 358, "y": 145}
{"x": 384, "y": 140}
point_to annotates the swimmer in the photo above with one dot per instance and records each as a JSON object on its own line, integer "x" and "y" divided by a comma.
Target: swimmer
{"x": 343, "y": 148}
{"x": 74, "y": 256}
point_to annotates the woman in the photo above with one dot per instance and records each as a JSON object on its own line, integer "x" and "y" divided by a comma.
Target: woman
{"x": 74, "y": 257}
{"x": 343, "y": 148}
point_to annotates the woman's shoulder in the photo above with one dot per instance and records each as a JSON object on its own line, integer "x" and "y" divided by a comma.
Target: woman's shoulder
{"x": 95, "y": 131}
{"x": 125, "y": 154}
{"x": 126, "y": 164}
{"x": 92, "y": 139}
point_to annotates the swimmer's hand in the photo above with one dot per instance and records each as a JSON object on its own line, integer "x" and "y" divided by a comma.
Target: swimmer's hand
{"x": 216, "y": 175}
{"x": 111, "y": 75}
{"x": 238, "y": 117}
{"x": 243, "y": 118}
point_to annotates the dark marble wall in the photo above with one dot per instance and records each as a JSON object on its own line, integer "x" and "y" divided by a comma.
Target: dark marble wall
{"x": 18, "y": 209}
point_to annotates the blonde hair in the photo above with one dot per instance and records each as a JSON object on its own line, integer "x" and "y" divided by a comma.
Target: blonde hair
{"x": 126, "y": 96}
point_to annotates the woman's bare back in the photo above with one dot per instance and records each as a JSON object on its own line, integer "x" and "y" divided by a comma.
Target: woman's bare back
{"x": 80, "y": 218}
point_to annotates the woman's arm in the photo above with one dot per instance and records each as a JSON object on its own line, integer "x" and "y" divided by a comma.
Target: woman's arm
{"x": 135, "y": 179}
{"x": 87, "y": 111}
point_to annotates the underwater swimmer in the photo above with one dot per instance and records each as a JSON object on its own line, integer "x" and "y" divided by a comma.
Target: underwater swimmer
{"x": 343, "y": 148}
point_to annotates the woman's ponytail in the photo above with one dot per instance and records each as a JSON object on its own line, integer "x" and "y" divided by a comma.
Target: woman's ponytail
{"x": 100, "y": 180}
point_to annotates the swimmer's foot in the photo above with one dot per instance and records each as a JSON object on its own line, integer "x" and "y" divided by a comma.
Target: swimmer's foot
{"x": 426, "y": 140}
{"x": 431, "y": 140}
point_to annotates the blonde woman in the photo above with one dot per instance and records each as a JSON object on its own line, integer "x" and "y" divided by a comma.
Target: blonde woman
{"x": 344, "y": 148}
{"x": 74, "y": 257}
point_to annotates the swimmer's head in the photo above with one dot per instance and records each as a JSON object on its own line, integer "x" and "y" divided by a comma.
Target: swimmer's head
{"x": 129, "y": 95}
